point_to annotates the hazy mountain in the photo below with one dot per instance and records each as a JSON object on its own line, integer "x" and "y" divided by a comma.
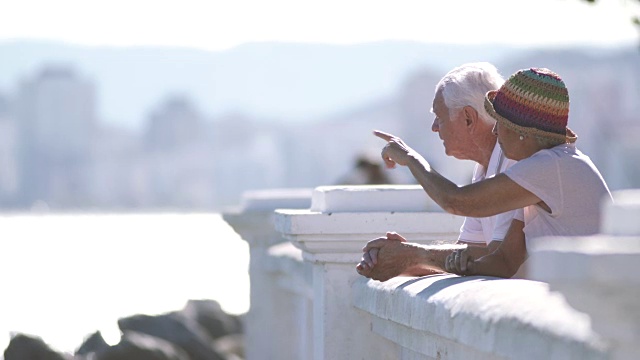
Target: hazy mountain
{"x": 280, "y": 81}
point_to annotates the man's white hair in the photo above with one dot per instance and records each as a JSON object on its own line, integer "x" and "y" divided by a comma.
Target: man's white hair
{"x": 467, "y": 85}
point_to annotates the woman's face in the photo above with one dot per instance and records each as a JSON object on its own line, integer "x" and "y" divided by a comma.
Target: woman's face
{"x": 509, "y": 141}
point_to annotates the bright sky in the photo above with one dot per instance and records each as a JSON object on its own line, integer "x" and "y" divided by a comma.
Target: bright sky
{"x": 216, "y": 25}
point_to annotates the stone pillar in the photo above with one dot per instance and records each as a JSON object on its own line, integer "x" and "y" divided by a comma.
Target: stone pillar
{"x": 331, "y": 235}
{"x": 291, "y": 304}
{"x": 598, "y": 274}
{"x": 269, "y": 319}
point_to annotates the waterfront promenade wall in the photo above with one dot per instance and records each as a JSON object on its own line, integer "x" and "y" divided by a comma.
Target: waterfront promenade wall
{"x": 308, "y": 302}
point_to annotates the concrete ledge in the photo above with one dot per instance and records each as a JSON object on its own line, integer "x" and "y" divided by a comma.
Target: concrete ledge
{"x": 269, "y": 199}
{"x": 343, "y": 218}
{"x": 450, "y": 317}
{"x": 598, "y": 275}
{"x": 286, "y": 260}
{"x": 339, "y": 237}
{"x": 598, "y": 259}
{"x": 622, "y": 216}
{"x": 372, "y": 198}
{"x": 253, "y": 219}
{"x": 310, "y": 222}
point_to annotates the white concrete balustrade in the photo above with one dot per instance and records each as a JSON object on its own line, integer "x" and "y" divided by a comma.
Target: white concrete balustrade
{"x": 280, "y": 282}
{"x": 331, "y": 235}
{"x": 598, "y": 274}
{"x": 313, "y": 304}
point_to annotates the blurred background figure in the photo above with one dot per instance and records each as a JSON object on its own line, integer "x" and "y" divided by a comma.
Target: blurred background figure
{"x": 367, "y": 170}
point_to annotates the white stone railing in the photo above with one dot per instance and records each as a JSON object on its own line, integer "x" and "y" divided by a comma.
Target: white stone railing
{"x": 598, "y": 274}
{"x": 331, "y": 235}
{"x": 279, "y": 289}
{"x": 452, "y": 317}
{"x": 320, "y": 308}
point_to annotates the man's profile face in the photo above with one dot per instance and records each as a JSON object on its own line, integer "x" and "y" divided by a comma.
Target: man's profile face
{"x": 450, "y": 126}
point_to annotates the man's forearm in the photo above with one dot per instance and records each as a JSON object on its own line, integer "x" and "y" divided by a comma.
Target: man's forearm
{"x": 495, "y": 264}
{"x": 431, "y": 258}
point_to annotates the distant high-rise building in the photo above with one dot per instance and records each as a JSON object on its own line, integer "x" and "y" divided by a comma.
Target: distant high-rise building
{"x": 179, "y": 168}
{"x": 8, "y": 155}
{"x": 56, "y": 117}
{"x": 174, "y": 124}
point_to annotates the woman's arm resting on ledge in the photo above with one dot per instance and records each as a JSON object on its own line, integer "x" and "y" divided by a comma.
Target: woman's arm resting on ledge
{"x": 503, "y": 262}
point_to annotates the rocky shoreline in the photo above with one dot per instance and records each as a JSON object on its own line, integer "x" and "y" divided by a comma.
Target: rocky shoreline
{"x": 199, "y": 331}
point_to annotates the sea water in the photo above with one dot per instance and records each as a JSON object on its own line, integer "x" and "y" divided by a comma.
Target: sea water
{"x": 63, "y": 277}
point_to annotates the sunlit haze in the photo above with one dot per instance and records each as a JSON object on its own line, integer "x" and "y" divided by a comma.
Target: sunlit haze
{"x": 216, "y": 25}
{"x": 91, "y": 270}
{"x": 128, "y": 128}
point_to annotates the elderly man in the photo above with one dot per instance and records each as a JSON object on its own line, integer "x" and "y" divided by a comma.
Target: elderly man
{"x": 465, "y": 128}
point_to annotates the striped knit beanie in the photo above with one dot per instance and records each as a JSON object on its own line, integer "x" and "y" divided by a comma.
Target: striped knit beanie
{"x": 533, "y": 101}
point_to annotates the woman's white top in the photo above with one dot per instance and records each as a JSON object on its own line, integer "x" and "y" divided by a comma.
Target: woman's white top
{"x": 571, "y": 186}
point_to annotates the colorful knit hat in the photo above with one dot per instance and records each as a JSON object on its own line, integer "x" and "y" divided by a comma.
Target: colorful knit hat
{"x": 533, "y": 101}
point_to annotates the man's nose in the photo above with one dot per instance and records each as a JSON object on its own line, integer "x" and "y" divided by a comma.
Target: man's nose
{"x": 434, "y": 126}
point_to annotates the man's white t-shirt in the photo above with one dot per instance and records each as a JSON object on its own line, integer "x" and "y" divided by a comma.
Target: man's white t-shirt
{"x": 569, "y": 183}
{"x": 486, "y": 229}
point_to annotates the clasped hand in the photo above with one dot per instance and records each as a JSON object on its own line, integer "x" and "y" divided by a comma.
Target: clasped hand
{"x": 393, "y": 257}
{"x": 460, "y": 262}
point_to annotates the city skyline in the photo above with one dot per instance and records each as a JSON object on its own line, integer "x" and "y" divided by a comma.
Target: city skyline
{"x": 58, "y": 152}
{"x": 274, "y": 82}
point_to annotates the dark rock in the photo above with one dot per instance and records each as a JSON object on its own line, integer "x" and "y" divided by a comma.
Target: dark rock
{"x": 94, "y": 343}
{"x": 25, "y": 347}
{"x": 232, "y": 346}
{"x": 212, "y": 318}
{"x": 137, "y": 346}
{"x": 177, "y": 329}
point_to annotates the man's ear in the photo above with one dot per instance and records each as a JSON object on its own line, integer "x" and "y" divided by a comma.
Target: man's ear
{"x": 470, "y": 117}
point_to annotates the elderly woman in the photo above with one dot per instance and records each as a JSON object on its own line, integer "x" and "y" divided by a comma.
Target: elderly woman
{"x": 557, "y": 189}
